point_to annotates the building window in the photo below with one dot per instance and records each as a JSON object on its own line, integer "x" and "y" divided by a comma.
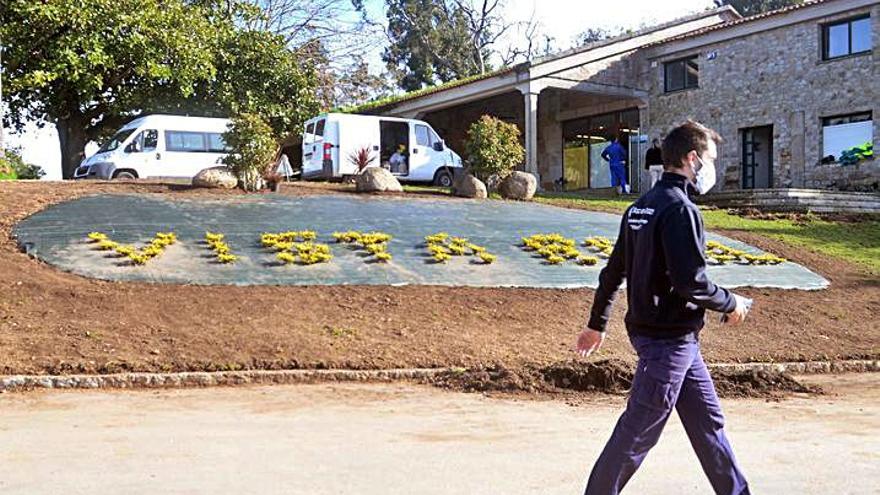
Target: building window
{"x": 681, "y": 74}
{"x": 846, "y": 133}
{"x": 847, "y": 37}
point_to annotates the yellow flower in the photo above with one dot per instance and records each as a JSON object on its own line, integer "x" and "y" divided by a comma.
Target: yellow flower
{"x": 476, "y": 249}
{"x": 106, "y": 245}
{"x": 441, "y": 257}
{"x": 555, "y": 260}
{"x": 226, "y": 258}
{"x": 286, "y": 257}
{"x": 587, "y": 260}
{"x": 437, "y": 248}
{"x": 439, "y": 237}
{"x": 570, "y": 253}
{"x": 213, "y": 237}
{"x": 486, "y": 257}
{"x": 151, "y": 251}
{"x": 125, "y": 250}
{"x": 383, "y": 256}
{"x": 97, "y": 236}
{"x": 456, "y": 249}
{"x": 138, "y": 259}
{"x": 375, "y": 248}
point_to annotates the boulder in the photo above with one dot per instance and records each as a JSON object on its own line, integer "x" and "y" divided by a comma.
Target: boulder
{"x": 215, "y": 177}
{"x": 468, "y": 186}
{"x": 493, "y": 182}
{"x": 377, "y": 179}
{"x": 518, "y": 185}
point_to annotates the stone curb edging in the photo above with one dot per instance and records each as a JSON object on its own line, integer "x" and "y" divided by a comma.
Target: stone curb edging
{"x": 280, "y": 377}
{"x": 804, "y": 368}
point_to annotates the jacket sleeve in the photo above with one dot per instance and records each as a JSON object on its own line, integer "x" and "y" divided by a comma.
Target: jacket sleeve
{"x": 682, "y": 237}
{"x": 610, "y": 279}
{"x": 605, "y": 155}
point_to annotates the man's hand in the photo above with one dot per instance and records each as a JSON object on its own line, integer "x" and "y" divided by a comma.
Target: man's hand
{"x": 589, "y": 341}
{"x": 738, "y": 315}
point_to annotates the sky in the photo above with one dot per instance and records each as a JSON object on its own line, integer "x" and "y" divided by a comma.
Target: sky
{"x": 561, "y": 19}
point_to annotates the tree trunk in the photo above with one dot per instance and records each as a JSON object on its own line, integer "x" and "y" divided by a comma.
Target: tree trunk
{"x": 72, "y": 138}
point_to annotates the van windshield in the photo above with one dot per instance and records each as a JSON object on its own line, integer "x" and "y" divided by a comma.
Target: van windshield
{"x": 116, "y": 140}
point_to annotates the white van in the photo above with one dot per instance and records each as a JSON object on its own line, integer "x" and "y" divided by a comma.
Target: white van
{"x": 331, "y": 140}
{"x": 158, "y": 146}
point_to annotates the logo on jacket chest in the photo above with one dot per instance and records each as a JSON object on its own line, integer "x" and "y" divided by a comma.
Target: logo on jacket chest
{"x": 636, "y": 218}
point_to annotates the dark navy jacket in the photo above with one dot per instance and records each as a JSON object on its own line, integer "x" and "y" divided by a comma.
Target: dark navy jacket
{"x": 661, "y": 252}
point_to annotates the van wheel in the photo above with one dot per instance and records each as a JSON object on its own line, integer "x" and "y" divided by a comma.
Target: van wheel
{"x": 125, "y": 174}
{"x": 443, "y": 178}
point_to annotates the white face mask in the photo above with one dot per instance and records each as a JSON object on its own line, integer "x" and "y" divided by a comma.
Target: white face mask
{"x": 705, "y": 177}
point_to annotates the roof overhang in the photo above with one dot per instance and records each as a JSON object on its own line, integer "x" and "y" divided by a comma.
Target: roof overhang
{"x": 755, "y": 24}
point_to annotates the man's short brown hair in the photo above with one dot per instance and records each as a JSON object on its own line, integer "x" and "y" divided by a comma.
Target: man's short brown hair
{"x": 680, "y": 141}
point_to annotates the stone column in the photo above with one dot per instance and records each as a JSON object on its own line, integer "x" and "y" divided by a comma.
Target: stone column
{"x": 531, "y": 125}
{"x": 797, "y": 141}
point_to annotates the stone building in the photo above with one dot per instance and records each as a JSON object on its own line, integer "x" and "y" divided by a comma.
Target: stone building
{"x": 794, "y": 93}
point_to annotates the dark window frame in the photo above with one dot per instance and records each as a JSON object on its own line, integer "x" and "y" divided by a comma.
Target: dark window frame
{"x": 848, "y": 117}
{"x": 826, "y": 30}
{"x": 684, "y": 67}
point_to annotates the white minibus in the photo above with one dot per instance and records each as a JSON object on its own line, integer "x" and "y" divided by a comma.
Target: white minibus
{"x": 158, "y": 146}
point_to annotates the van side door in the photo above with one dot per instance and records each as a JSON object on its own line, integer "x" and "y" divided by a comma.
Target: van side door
{"x": 141, "y": 154}
{"x": 422, "y": 165}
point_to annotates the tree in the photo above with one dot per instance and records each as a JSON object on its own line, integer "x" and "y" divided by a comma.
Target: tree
{"x": 87, "y": 66}
{"x": 493, "y": 148}
{"x": 596, "y": 34}
{"x": 335, "y": 36}
{"x": 253, "y": 147}
{"x": 434, "y": 41}
{"x": 102, "y": 62}
{"x": 754, "y": 7}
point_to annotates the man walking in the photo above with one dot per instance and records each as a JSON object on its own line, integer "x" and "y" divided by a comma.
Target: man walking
{"x": 654, "y": 161}
{"x": 615, "y": 155}
{"x": 660, "y": 251}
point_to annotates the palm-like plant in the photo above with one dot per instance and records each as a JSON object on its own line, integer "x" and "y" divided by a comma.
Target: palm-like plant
{"x": 362, "y": 158}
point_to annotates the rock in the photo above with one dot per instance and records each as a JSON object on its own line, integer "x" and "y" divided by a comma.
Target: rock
{"x": 377, "y": 179}
{"x": 518, "y": 185}
{"x": 492, "y": 183}
{"x": 468, "y": 186}
{"x": 215, "y": 177}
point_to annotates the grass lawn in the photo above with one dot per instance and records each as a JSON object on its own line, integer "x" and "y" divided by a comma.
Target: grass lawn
{"x": 856, "y": 242}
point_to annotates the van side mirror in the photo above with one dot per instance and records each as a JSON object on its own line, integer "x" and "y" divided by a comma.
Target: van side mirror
{"x": 133, "y": 147}
{"x": 438, "y": 146}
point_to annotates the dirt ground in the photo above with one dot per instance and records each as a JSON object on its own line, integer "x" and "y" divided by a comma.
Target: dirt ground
{"x": 56, "y": 322}
{"x": 403, "y": 439}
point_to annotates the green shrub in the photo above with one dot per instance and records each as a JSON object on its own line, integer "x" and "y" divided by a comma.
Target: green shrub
{"x": 493, "y": 147}
{"x": 12, "y": 167}
{"x": 252, "y": 149}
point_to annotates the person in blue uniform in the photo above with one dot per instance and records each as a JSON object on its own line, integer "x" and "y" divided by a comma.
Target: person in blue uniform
{"x": 615, "y": 155}
{"x": 660, "y": 253}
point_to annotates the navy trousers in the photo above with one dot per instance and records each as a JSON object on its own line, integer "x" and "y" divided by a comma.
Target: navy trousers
{"x": 670, "y": 374}
{"x": 618, "y": 175}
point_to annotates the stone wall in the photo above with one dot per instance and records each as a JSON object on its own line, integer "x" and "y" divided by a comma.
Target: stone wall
{"x": 777, "y": 78}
